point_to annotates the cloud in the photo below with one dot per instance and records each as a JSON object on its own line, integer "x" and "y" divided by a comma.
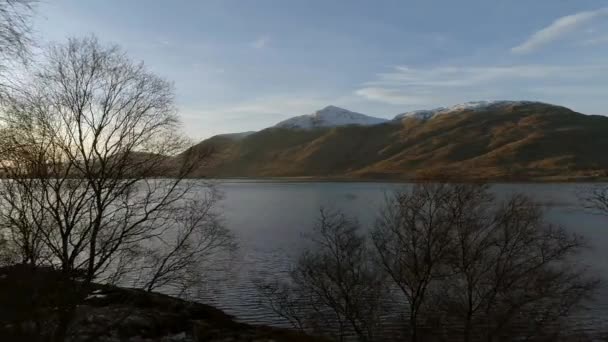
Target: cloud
{"x": 261, "y": 42}
{"x": 390, "y": 96}
{"x": 452, "y": 76}
{"x": 557, "y": 30}
{"x": 445, "y": 85}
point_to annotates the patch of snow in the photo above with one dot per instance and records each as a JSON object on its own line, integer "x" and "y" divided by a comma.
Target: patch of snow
{"x": 330, "y": 116}
{"x": 473, "y": 106}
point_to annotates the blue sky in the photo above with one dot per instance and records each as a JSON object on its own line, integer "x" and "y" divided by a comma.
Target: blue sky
{"x": 245, "y": 65}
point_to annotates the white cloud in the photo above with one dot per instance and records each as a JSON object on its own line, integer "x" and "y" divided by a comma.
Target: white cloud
{"x": 261, "y": 42}
{"x": 438, "y": 86}
{"x": 391, "y": 96}
{"x": 557, "y": 30}
{"x": 453, "y": 76}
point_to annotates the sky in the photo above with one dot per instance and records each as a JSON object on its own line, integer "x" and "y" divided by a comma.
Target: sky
{"x": 240, "y": 65}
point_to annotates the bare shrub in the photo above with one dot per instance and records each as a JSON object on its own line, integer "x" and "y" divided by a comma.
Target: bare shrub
{"x": 480, "y": 268}
{"x": 412, "y": 240}
{"x": 461, "y": 264}
{"x": 334, "y": 289}
{"x": 595, "y": 199}
{"x": 513, "y": 273}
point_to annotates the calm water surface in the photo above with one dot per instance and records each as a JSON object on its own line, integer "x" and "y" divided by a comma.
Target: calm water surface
{"x": 269, "y": 219}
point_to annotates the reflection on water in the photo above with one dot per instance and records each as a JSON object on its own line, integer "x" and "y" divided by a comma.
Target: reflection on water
{"x": 269, "y": 218}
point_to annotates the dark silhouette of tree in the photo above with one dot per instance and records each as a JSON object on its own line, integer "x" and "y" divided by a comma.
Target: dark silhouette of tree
{"x": 513, "y": 274}
{"x": 15, "y": 29}
{"x": 412, "y": 240}
{"x": 16, "y": 39}
{"x": 460, "y": 263}
{"x": 334, "y": 289}
{"x": 83, "y": 146}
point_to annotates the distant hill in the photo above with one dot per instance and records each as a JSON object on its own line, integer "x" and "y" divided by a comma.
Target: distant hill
{"x": 502, "y": 140}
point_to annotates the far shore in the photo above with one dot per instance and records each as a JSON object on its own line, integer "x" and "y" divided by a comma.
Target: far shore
{"x": 565, "y": 180}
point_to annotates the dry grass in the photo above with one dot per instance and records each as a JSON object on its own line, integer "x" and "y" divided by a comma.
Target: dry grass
{"x": 523, "y": 142}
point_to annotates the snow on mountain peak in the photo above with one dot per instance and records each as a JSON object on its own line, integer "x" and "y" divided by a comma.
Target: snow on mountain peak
{"x": 473, "y": 106}
{"x": 330, "y": 116}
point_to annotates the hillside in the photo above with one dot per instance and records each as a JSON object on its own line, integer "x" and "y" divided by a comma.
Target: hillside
{"x": 493, "y": 141}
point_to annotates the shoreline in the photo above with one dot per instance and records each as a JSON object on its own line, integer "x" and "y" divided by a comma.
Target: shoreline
{"x": 394, "y": 181}
{"x": 103, "y": 312}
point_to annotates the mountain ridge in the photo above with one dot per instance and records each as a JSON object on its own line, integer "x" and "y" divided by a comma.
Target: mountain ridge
{"x": 425, "y": 114}
{"x": 517, "y": 140}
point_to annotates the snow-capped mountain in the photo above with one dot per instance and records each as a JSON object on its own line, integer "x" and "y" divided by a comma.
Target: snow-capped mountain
{"x": 444, "y": 146}
{"x": 330, "y": 116}
{"x": 474, "y": 106}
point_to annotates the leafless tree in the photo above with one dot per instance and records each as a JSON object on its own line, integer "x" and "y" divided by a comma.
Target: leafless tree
{"x": 489, "y": 269}
{"x": 595, "y": 199}
{"x": 197, "y": 237}
{"x": 15, "y": 28}
{"x": 460, "y": 263}
{"x": 15, "y": 39}
{"x": 84, "y": 147}
{"x": 412, "y": 241}
{"x": 334, "y": 288}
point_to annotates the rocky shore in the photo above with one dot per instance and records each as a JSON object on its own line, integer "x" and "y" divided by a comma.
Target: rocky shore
{"x": 33, "y": 300}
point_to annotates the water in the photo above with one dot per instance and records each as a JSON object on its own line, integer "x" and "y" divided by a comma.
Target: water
{"x": 269, "y": 218}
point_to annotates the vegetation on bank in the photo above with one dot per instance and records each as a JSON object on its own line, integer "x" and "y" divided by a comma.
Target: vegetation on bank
{"x": 32, "y": 300}
{"x": 442, "y": 262}
{"x": 87, "y": 132}
{"x": 84, "y": 135}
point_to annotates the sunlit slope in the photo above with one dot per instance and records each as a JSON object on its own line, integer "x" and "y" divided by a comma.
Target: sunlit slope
{"x": 531, "y": 141}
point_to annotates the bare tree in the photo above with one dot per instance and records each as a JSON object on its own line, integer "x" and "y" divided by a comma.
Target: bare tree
{"x": 412, "y": 241}
{"x": 595, "y": 199}
{"x": 511, "y": 267}
{"x": 485, "y": 269}
{"x": 83, "y": 148}
{"x": 15, "y": 40}
{"x": 15, "y": 28}
{"x": 462, "y": 264}
{"x": 334, "y": 289}
{"x": 198, "y": 236}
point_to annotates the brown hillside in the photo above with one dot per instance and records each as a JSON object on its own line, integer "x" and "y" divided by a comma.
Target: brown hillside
{"x": 530, "y": 141}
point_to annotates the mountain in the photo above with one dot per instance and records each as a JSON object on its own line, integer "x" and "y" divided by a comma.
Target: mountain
{"x": 506, "y": 140}
{"x": 426, "y": 114}
{"x": 330, "y": 116}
